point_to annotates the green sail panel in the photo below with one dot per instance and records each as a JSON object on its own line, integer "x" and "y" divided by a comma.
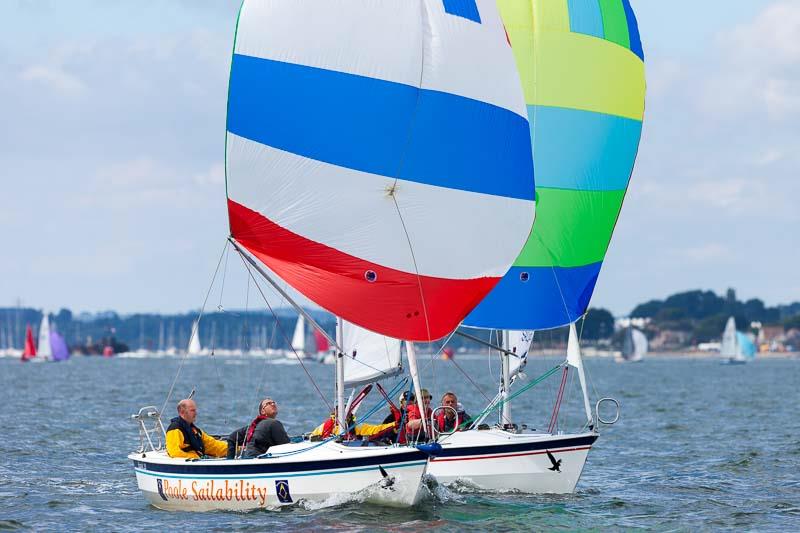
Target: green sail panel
{"x": 580, "y": 239}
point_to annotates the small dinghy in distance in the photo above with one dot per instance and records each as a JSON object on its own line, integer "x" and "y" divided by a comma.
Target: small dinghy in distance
{"x": 352, "y": 126}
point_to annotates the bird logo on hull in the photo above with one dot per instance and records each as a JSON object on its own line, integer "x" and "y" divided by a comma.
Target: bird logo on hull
{"x": 556, "y": 463}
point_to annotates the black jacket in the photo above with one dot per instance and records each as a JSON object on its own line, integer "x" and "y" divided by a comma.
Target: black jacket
{"x": 268, "y": 433}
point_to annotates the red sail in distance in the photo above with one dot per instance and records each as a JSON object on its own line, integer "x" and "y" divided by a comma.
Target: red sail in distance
{"x": 30, "y": 347}
{"x": 322, "y": 342}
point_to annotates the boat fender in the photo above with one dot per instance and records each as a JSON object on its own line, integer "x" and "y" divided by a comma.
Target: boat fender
{"x": 432, "y": 449}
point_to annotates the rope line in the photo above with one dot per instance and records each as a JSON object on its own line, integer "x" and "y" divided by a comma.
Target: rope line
{"x": 194, "y": 330}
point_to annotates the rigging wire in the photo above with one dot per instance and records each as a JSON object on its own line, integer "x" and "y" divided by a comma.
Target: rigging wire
{"x": 194, "y": 330}
{"x": 285, "y": 337}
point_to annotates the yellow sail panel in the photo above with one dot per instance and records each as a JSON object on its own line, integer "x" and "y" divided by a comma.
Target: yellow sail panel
{"x": 578, "y": 71}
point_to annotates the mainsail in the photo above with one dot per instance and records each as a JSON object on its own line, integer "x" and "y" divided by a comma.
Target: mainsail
{"x": 44, "y": 349}
{"x": 634, "y": 344}
{"x": 729, "y": 346}
{"x": 375, "y": 152}
{"x": 368, "y": 357}
{"x": 582, "y": 69}
{"x": 30, "y": 347}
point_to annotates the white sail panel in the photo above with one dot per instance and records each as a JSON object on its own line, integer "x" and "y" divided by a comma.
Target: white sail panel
{"x": 464, "y": 53}
{"x": 44, "y": 349}
{"x": 519, "y": 342}
{"x": 369, "y": 357}
{"x": 729, "y": 346}
{"x": 299, "y": 337}
{"x": 316, "y": 34}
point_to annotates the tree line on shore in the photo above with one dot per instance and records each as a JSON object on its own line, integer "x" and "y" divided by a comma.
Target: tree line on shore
{"x": 699, "y": 315}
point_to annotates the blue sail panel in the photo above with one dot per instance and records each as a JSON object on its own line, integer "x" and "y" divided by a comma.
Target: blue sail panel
{"x": 536, "y": 298}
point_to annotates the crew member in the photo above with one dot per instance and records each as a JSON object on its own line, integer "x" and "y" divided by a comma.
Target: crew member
{"x": 448, "y": 420}
{"x": 184, "y": 439}
{"x": 265, "y": 430}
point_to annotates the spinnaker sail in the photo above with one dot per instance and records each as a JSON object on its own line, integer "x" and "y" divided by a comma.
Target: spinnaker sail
{"x": 375, "y": 151}
{"x": 582, "y": 69}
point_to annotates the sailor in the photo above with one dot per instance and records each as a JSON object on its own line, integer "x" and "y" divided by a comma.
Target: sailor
{"x": 414, "y": 428}
{"x": 265, "y": 430}
{"x": 396, "y": 415}
{"x": 364, "y": 431}
{"x": 184, "y": 439}
{"x": 448, "y": 420}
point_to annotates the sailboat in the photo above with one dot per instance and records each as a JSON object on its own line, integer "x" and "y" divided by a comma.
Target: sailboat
{"x": 301, "y": 345}
{"x": 735, "y": 345}
{"x": 585, "y": 130}
{"x": 634, "y": 345}
{"x": 44, "y": 349}
{"x": 30, "y": 348}
{"x": 351, "y": 127}
{"x": 58, "y": 346}
{"x": 194, "y": 347}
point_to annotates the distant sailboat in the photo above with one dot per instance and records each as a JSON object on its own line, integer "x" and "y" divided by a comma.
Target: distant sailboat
{"x": 44, "y": 349}
{"x": 634, "y": 345}
{"x": 194, "y": 342}
{"x": 30, "y": 347}
{"x": 58, "y": 347}
{"x": 302, "y": 348}
{"x": 736, "y": 346}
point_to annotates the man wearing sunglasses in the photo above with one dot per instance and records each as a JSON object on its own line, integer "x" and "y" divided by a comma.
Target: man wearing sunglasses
{"x": 265, "y": 430}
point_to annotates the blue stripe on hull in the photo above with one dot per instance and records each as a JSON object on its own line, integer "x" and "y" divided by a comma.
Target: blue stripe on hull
{"x": 538, "y": 302}
{"x": 381, "y": 127}
{"x": 266, "y": 466}
{"x": 192, "y": 475}
{"x": 466, "y": 451}
{"x": 583, "y": 150}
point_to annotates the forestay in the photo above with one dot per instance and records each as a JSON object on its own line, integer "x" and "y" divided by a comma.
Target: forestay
{"x": 582, "y": 69}
{"x": 376, "y": 152}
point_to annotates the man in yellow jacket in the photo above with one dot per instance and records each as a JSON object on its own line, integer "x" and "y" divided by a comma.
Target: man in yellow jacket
{"x": 184, "y": 439}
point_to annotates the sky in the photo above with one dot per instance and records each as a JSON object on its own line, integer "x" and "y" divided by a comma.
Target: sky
{"x": 112, "y": 153}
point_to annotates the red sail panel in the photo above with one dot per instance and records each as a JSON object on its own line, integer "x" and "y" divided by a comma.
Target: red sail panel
{"x": 395, "y": 303}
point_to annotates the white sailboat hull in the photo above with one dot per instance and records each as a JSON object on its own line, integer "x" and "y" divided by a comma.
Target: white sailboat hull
{"x": 324, "y": 473}
{"x": 497, "y": 460}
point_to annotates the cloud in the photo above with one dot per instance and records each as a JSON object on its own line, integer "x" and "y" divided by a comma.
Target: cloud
{"x": 213, "y": 176}
{"x": 53, "y": 77}
{"x": 706, "y": 253}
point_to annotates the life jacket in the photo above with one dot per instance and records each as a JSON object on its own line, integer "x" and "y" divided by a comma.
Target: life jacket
{"x": 192, "y": 435}
{"x": 252, "y": 428}
{"x": 330, "y": 425}
{"x": 412, "y": 413}
{"x": 442, "y": 424}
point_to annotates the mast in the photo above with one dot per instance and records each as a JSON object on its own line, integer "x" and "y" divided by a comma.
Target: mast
{"x": 340, "y": 407}
{"x": 412, "y": 369}
{"x": 506, "y": 385}
{"x": 574, "y": 359}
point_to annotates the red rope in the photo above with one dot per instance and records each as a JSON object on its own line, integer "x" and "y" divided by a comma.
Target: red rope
{"x": 557, "y": 406}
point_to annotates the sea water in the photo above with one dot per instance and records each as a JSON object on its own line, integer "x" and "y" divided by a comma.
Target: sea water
{"x": 699, "y": 445}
